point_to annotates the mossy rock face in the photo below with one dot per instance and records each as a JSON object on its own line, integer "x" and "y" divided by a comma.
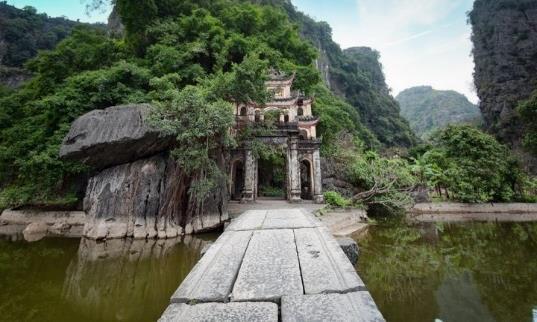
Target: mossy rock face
{"x": 504, "y": 35}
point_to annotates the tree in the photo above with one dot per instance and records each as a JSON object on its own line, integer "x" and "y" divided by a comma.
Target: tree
{"x": 200, "y": 124}
{"x": 472, "y": 166}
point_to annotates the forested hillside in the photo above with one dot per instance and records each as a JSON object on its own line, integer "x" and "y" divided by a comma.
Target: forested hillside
{"x": 223, "y": 48}
{"x": 23, "y": 32}
{"x": 356, "y": 75}
{"x": 505, "y": 54}
{"x": 428, "y": 109}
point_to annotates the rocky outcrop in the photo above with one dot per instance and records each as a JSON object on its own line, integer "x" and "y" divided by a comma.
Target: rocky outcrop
{"x": 350, "y": 248}
{"x": 139, "y": 190}
{"x": 13, "y": 77}
{"x": 116, "y": 135}
{"x": 505, "y": 55}
{"x": 356, "y": 75}
{"x": 334, "y": 179}
{"x": 147, "y": 199}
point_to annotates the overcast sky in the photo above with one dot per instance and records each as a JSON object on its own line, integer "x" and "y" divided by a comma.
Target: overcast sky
{"x": 421, "y": 42}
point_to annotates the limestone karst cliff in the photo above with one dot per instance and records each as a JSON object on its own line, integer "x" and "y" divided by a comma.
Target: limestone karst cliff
{"x": 428, "y": 109}
{"x": 356, "y": 75}
{"x": 505, "y": 54}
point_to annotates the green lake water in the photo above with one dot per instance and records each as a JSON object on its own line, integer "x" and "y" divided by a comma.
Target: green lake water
{"x": 463, "y": 273}
{"x": 453, "y": 273}
{"x": 61, "y": 279}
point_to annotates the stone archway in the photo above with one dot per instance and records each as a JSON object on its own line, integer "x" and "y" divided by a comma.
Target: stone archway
{"x": 272, "y": 176}
{"x": 237, "y": 180}
{"x": 306, "y": 180}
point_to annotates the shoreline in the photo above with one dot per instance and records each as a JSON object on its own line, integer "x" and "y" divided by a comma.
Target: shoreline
{"x": 461, "y": 212}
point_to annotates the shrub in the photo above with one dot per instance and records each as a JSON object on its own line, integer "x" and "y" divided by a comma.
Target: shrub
{"x": 334, "y": 199}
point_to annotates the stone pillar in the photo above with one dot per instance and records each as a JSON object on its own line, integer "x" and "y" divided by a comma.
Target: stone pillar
{"x": 250, "y": 177}
{"x": 293, "y": 168}
{"x": 317, "y": 178}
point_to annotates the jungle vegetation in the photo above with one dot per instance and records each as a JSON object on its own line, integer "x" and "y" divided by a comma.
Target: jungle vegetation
{"x": 193, "y": 60}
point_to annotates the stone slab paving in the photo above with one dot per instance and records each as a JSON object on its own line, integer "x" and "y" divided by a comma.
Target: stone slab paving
{"x": 289, "y": 218}
{"x": 270, "y": 268}
{"x": 250, "y": 220}
{"x": 349, "y": 307}
{"x": 232, "y": 312}
{"x": 211, "y": 280}
{"x": 273, "y": 261}
{"x": 325, "y": 267}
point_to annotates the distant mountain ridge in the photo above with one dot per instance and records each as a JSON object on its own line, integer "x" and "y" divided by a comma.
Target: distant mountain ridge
{"x": 428, "y": 109}
{"x": 23, "y": 33}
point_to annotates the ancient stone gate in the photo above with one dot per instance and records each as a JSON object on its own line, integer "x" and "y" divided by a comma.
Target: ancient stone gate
{"x": 294, "y": 134}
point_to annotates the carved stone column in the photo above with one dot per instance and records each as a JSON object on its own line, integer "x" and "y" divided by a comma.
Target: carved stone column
{"x": 317, "y": 178}
{"x": 250, "y": 177}
{"x": 293, "y": 168}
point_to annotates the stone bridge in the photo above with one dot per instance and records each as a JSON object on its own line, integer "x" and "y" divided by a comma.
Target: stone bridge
{"x": 273, "y": 265}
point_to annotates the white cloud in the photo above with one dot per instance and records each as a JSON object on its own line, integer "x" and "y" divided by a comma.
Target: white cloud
{"x": 422, "y": 42}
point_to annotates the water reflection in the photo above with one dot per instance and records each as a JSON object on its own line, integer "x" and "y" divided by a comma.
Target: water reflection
{"x": 58, "y": 279}
{"x": 470, "y": 272}
{"x": 118, "y": 280}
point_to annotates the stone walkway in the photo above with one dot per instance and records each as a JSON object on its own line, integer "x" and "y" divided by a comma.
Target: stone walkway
{"x": 273, "y": 265}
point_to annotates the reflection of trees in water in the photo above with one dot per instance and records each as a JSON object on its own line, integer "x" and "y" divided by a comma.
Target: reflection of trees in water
{"x": 128, "y": 280}
{"x": 459, "y": 300}
{"x": 404, "y": 267}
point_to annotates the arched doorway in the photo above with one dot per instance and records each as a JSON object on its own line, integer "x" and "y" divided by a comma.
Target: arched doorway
{"x": 306, "y": 182}
{"x": 272, "y": 175}
{"x": 237, "y": 182}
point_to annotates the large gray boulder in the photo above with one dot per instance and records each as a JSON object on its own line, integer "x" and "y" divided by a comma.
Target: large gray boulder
{"x": 149, "y": 198}
{"x": 113, "y": 136}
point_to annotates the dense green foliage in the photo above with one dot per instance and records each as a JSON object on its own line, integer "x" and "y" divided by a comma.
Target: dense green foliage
{"x": 429, "y": 110}
{"x": 337, "y": 117}
{"x": 24, "y": 32}
{"x": 384, "y": 183}
{"x": 470, "y": 166}
{"x": 334, "y": 199}
{"x": 528, "y": 114}
{"x": 189, "y": 43}
{"x": 193, "y": 60}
